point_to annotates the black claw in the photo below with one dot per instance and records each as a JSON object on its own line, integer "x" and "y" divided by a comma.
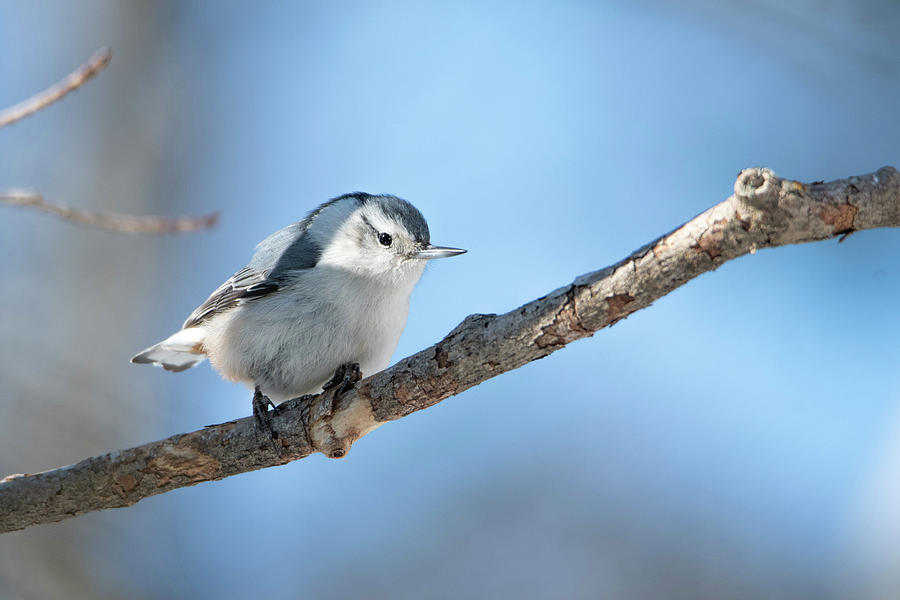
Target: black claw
{"x": 261, "y": 405}
{"x": 345, "y": 377}
{"x": 351, "y": 377}
{"x": 336, "y": 379}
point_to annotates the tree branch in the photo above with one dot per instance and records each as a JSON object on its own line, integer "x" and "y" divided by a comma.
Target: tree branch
{"x": 74, "y": 80}
{"x": 765, "y": 211}
{"x": 111, "y": 221}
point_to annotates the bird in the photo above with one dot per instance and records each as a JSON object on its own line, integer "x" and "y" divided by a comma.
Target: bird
{"x": 319, "y": 298}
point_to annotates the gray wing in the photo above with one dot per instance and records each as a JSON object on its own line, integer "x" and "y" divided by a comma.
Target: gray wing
{"x": 276, "y": 258}
{"x": 244, "y": 285}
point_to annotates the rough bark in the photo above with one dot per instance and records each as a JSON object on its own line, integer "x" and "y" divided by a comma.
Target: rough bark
{"x": 765, "y": 211}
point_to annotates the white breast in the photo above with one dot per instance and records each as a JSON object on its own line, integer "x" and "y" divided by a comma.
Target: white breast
{"x": 290, "y": 342}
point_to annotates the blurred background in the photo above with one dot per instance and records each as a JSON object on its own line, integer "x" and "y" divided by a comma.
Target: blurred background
{"x": 739, "y": 439}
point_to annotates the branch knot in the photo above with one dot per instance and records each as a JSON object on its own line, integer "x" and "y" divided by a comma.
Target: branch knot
{"x": 333, "y": 422}
{"x": 758, "y": 187}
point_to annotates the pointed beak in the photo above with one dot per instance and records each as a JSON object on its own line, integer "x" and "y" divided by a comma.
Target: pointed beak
{"x": 430, "y": 252}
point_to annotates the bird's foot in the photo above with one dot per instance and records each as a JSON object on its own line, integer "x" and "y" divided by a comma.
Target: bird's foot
{"x": 317, "y": 418}
{"x": 261, "y": 404}
{"x": 345, "y": 377}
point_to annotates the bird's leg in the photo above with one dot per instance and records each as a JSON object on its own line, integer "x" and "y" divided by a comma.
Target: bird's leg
{"x": 318, "y": 410}
{"x": 345, "y": 377}
{"x": 261, "y": 405}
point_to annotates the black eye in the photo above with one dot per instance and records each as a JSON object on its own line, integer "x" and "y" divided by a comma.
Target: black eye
{"x": 385, "y": 239}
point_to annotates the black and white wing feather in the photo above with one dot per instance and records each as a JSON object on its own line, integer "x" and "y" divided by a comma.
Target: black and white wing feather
{"x": 246, "y": 284}
{"x": 276, "y": 258}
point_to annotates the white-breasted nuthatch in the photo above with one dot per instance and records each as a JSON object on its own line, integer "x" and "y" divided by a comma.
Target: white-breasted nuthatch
{"x": 329, "y": 291}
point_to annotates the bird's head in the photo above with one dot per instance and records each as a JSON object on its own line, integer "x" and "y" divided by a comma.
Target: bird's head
{"x": 383, "y": 237}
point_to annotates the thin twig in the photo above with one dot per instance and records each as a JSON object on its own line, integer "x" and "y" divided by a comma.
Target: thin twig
{"x": 108, "y": 221}
{"x": 111, "y": 221}
{"x": 73, "y": 81}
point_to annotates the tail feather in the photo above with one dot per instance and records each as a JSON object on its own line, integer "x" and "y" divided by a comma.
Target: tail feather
{"x": 176, "y": 353}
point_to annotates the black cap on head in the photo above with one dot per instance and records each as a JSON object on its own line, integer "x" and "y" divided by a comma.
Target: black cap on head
{"x": 401, "y": 211}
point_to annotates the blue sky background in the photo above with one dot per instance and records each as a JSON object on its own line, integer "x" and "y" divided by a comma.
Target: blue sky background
{"x": 735, "y": 440}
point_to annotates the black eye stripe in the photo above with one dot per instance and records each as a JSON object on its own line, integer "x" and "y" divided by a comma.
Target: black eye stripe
{"x": 385, "y": 239}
